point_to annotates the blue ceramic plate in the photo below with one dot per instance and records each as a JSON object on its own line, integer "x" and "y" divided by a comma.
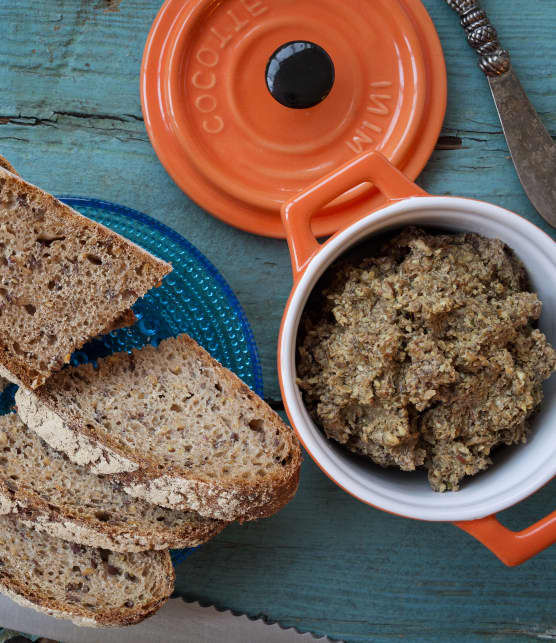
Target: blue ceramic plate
{"x": 194, "y": 299}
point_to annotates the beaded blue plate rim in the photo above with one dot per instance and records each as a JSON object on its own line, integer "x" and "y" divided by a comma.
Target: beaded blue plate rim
{"x": 76, "y": 201}
{"x": 179, "y": 555}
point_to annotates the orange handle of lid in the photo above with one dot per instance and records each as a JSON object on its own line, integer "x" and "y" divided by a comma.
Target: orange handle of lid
{"x": 512, "y": 547}
{"x": 298, "y": 212}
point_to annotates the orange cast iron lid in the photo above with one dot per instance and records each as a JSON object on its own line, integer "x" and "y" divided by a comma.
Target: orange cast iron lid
{"x": 239, "y": 152}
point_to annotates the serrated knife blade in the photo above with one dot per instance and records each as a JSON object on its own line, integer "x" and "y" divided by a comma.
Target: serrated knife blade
{"x": 531, "y": 146}
{"x": 176, "y": 622}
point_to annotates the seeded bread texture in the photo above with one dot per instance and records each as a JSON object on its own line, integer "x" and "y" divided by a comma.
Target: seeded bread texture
{"x": 50, "y": 493}
{"x": 63, "y": 280}
{"x": 124, "y": 320}
{"x": 90, "y": 586}
{"x": 174, "y": 427}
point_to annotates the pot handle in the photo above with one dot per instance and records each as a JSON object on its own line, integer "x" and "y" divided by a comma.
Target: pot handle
{"x": 512, "y": 547}
{"x": 298, "y": 212}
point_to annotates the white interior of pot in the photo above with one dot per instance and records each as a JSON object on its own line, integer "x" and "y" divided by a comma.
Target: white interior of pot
{"x": 517, "y": 471}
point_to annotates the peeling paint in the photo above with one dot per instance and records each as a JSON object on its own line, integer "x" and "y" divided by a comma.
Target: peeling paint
{"x": 109, "y": 6}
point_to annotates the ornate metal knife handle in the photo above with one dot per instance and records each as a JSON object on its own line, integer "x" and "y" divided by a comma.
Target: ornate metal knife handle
{"x": 482, "y": 36}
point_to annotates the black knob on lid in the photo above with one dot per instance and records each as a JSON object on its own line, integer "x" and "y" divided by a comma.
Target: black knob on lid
{"x": 300, "y": 74}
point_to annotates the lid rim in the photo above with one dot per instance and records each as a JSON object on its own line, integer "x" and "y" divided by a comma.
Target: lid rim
{"x": 261, "y": 219}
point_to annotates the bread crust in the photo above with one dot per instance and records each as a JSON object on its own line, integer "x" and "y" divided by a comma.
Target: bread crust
{"x": 70, "y": 436}
{"x": 124, "y": 320}
{"x": 17, "y": 592}
{"x": 35, "y": 512}
{"x": 17, "y": 368}
{"x": 173, "y": 488}
{"x": 6, "y": 165}
{"x": 17, "y": 589}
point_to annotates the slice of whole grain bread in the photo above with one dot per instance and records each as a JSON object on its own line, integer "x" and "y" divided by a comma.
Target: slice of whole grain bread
{"x": 174, "y": 427}
{"x": 50, "y": 493}
{"x": 124, "y": 320}
{"x": 63, "y": 280}
{"x": 90, "y": 586}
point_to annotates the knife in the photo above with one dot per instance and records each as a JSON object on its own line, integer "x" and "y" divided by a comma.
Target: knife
{"x": 531, "y": 146}
{"x": 176, "y": 622}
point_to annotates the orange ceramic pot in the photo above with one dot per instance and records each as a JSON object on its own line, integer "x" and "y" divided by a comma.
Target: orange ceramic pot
{"x": 519, "y": 471}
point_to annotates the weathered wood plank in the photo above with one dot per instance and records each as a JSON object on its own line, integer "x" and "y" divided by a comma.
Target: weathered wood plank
{"x": 331, "y": 565}
{"x": 74, "y": 103}
{"x": 70, "y": 120}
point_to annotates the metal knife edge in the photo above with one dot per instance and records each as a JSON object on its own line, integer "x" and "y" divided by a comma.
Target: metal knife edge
{"x": 177, "y": 619}
{"x": 258, "y": 619}
{"x": 531, "y": 145}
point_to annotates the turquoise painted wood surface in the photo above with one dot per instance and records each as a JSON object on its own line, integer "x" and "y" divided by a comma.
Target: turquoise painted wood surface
{"x": 70, "y": 121}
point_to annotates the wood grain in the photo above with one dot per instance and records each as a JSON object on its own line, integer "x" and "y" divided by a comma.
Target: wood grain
{"x": 70, "y": 100}
{"x": 331, "y": 565}
{"x": 70, "y": 121}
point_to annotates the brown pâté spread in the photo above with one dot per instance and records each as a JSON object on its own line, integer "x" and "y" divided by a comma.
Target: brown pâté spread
{"x": 425, "y": 354}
